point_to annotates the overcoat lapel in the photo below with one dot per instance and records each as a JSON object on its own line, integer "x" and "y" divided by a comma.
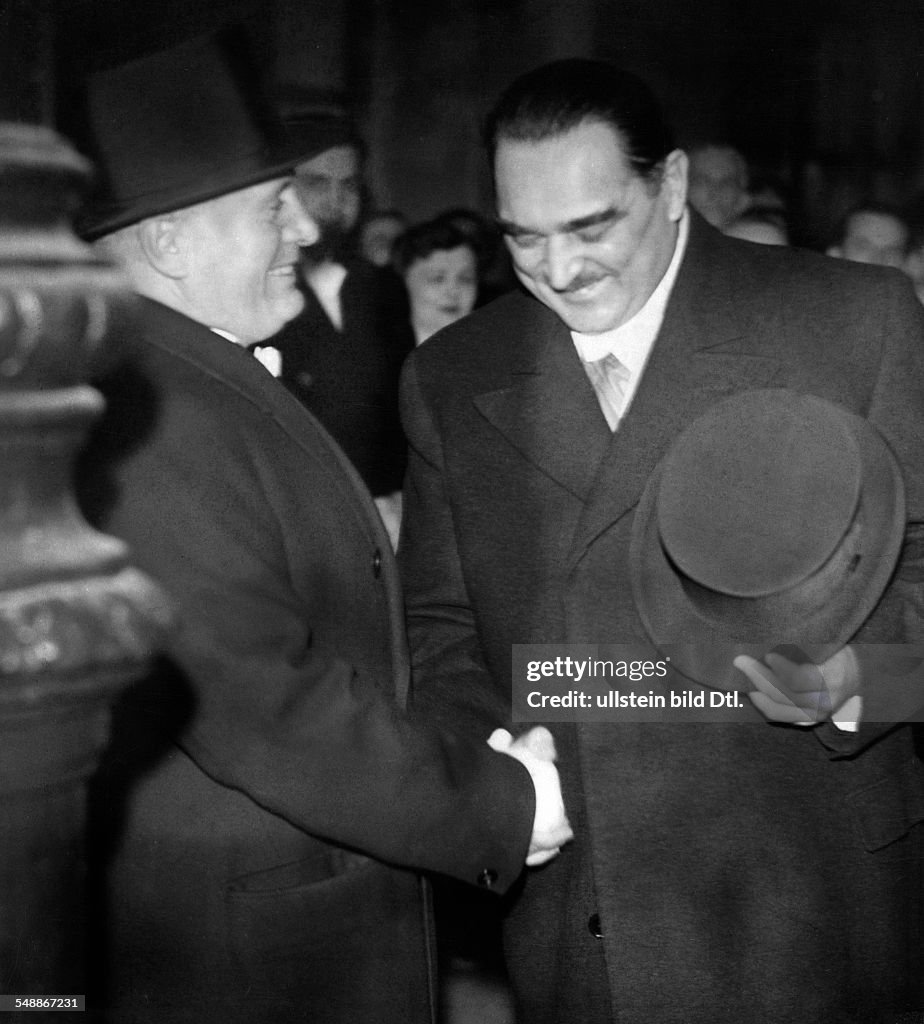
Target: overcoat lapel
{"x": 197, "y": 345}
{"x": 548, "y": 411}
{"x": 701, "y": 354}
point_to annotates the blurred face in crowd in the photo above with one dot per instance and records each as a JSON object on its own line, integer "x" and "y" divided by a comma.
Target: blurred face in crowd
{"x": 718, "y": 184}
{"x": 378, "y": 235}
{"x": 329, "y": 186}
{"x": 873, "y": 237}
{"x": 588, "y": 235}
{"x": 441, "y": 289}
{"x": 241, "y": 250}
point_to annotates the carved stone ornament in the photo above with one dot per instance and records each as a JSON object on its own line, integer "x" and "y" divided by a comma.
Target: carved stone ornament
{"x": 76, "y": 621}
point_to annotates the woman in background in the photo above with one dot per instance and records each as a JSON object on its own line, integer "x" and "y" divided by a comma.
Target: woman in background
{"x": 440, "y": 270}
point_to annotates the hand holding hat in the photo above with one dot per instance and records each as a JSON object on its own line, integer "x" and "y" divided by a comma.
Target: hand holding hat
{"x": 775, "y": 518}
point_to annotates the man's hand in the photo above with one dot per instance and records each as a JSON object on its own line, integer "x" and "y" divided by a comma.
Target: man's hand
{"x": 535, "y": 750}
{"x": 803, "y": 694}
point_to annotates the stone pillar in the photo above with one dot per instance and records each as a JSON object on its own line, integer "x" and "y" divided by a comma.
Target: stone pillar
{"x": 77, "y": 623}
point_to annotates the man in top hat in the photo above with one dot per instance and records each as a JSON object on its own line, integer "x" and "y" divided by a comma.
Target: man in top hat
{"x": 746, "y": 870}
{"x": 342, "y": 355}
{"x": 254, "y": 774}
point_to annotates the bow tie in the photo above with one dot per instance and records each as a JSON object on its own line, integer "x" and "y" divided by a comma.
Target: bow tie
{"x": 268, "y": 355}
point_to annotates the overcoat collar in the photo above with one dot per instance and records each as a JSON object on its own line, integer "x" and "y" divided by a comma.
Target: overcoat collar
{"x": 549, "y": 411}
{"x": 233, "y": 367}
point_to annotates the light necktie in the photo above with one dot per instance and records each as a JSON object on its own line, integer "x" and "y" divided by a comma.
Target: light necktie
{"x": 610, "y": 380}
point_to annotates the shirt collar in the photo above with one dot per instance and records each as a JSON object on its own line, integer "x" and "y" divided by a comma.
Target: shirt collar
{"x": 326, "y": 280}
{"x": 226, "y": 334}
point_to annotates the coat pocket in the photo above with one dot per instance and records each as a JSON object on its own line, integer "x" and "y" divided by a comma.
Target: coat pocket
{"x": 334, "y": 937}
{"x": 323, "y": 866}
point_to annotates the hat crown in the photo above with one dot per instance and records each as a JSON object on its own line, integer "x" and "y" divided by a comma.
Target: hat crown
{"x": 775, "y": 518}
{"x": 759, "y": 494}
{"x": 180, "y": 112}
{"x": 176, "y": 127}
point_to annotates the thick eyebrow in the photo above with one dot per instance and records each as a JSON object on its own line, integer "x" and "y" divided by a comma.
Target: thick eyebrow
{"x": 578, "y": 224}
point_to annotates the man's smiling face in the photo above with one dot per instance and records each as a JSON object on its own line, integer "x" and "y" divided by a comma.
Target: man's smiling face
{"x": 588, "y": 235}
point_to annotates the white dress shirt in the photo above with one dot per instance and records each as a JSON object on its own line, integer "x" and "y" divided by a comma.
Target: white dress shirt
{"x": 267, "y": 355}
{"x": 326, "y": 280}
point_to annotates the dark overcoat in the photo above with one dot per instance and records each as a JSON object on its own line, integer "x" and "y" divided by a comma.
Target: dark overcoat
{"x": 730, "y": 871}
{"x": 348, "y": 377}
{"x": 254, "y": 774}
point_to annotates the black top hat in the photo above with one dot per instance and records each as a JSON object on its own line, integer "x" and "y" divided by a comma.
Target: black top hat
{"x": 774, "y": 519}
{"x": 175, "y": 128}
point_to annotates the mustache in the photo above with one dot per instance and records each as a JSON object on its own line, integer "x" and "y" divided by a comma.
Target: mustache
{"x": 577, "y": 284}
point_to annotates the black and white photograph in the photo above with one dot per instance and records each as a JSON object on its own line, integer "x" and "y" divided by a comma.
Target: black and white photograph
{"x": 462, "y": 511}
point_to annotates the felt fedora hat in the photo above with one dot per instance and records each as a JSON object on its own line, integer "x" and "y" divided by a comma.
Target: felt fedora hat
{"x": 174, "y": 128}
{"x": 774, "y": 520}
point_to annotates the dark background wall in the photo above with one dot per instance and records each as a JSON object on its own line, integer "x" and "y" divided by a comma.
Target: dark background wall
{"x": 826, "y": 94}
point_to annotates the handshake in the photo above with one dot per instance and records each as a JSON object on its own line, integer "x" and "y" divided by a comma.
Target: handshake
{"x": 535, "y": 750}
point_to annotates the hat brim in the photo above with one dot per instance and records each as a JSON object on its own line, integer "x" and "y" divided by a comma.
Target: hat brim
{"x": 102, "y": 218}
{"x": 702, "y": 647}
{"x": 175, "y": 127}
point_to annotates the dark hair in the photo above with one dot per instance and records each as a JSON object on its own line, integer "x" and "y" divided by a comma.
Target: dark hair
{"x": 422, "y": 240}
{"x": 557, "y": 97}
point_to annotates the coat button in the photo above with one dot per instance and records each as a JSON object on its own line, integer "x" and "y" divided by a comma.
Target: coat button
{"x": 487, "y": 878}
{"x": 594, "y": 926}
{"x": 377, "y": 563}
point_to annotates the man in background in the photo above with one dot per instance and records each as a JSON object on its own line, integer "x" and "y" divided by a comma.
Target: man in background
{"x": 378, "y": 233}
{"x": 718, "y": 183}
{"x": 342, "y": 355}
